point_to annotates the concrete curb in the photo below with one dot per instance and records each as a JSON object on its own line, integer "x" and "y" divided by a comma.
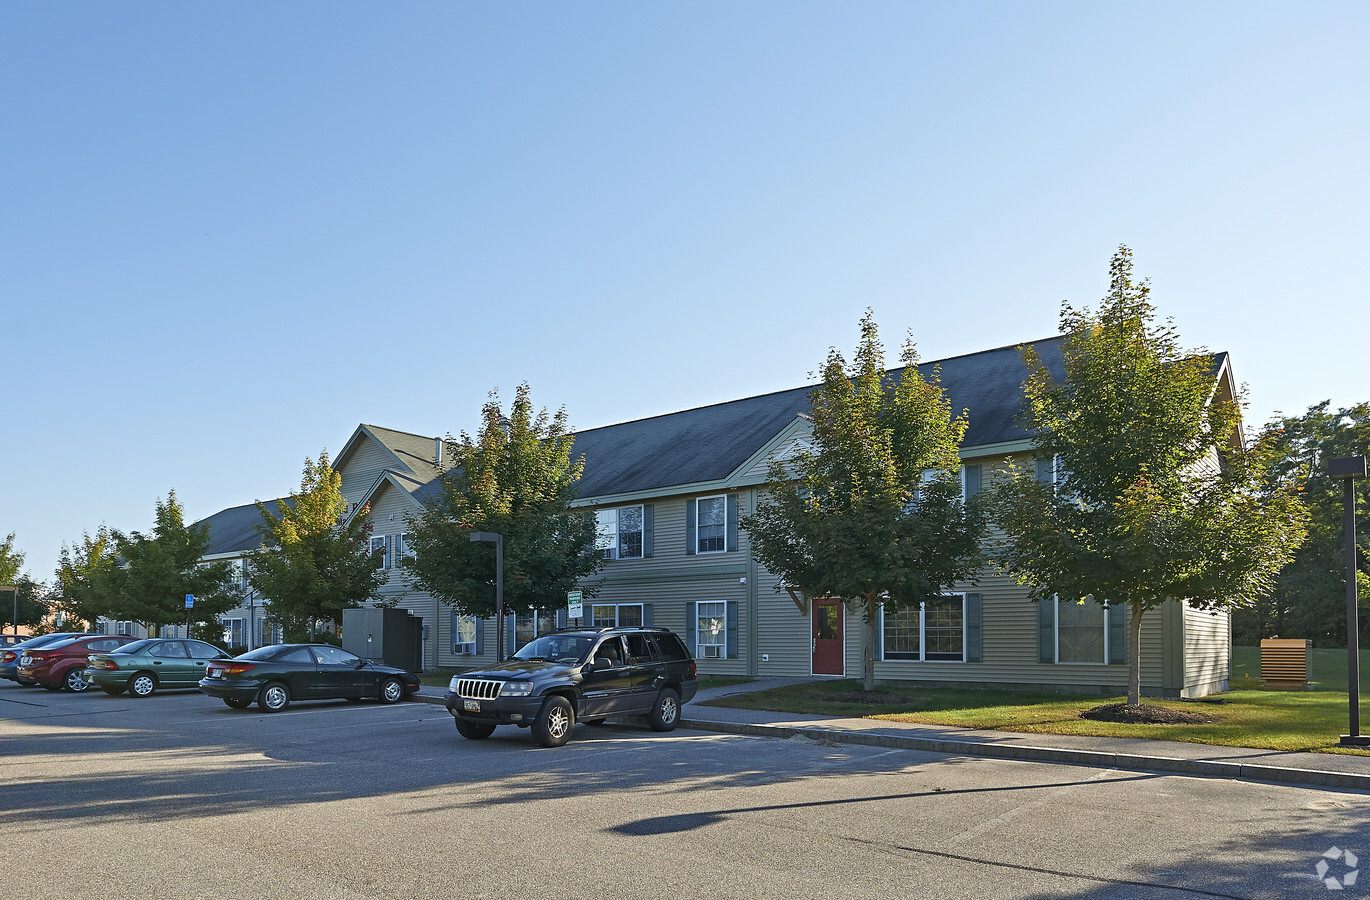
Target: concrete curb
{"x": 1169, "y": 765}
{"x": 1203, "y": 768}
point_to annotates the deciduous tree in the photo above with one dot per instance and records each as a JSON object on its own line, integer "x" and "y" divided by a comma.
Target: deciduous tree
{"x": 872, "y": 514}
{"x": 82, "y": 574}
{"x": 1156, "y": 497}
{"x": 517, "y": 477}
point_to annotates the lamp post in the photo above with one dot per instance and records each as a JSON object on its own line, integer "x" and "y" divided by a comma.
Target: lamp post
{"x": 1348, "y": 469}
{"x": 14, "y": 588}
{"x": 498, "y": 540}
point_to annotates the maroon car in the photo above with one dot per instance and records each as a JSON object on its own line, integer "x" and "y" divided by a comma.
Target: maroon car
{"x": 62, "y": 666}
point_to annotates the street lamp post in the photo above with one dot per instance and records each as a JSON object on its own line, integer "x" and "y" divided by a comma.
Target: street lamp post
{"x": 498, "y": 540}
{"x": 1348, "y": 469}
{"x": 13, "y": 588}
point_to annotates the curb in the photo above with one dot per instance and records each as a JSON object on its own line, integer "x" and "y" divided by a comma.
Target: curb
{"x": 1169, "y": 765}
{"x": 1202, "y": 768}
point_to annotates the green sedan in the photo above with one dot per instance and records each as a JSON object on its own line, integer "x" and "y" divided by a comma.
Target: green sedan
{"x": 143, "y": 667}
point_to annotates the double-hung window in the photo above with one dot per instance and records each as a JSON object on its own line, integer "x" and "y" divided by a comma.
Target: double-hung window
{"x": 1081, "y": 631}
{"x": 620, "y": 532}
{"x": 711, "y": 630}
{"x": 609, "y": 615}
{"x": 380, "y": 551}
{"x": 932, "y": 631}
{"x": 404, "y": 552}
{"x": 712, "y": 524}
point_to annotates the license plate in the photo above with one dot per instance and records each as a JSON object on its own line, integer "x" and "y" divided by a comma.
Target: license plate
{"x": 473, "y": 706}
{"x": 25, "y": 660}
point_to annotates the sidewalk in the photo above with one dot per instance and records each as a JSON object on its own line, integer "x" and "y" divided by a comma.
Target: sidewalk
{"x": 1320, "y": 769}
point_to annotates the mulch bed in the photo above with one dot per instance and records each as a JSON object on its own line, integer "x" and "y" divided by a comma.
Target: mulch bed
{"x": 1145, "y": 714}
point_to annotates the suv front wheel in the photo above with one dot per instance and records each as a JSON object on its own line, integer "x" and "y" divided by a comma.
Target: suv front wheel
{"x": 666, "y": 711}
{"x": 552, "y": 728}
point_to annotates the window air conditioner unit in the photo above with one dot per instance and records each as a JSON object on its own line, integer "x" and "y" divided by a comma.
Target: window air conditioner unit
{"x": 467, "y": 648}
{"x": 713, "y": 651}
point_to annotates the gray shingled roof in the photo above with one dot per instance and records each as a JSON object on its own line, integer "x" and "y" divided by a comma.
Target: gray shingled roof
{"x": 235, "y": 530}
{"x": 709, "y": 443}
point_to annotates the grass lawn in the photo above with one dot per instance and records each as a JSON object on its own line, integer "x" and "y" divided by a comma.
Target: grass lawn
{"x": 1327, "y": 669}
{"x": 1275, "y": 720}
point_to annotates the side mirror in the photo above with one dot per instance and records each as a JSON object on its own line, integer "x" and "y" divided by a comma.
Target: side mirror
{"x": 602, "y": 663}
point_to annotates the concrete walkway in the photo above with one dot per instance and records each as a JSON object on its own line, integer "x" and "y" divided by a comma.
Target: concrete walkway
{"x": 1320, "y": 769}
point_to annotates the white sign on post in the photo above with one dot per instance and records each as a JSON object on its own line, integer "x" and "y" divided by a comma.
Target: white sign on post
{"x": 574, "y": 607}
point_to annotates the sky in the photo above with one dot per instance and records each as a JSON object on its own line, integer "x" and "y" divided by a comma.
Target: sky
{"x": 231, "y": 233}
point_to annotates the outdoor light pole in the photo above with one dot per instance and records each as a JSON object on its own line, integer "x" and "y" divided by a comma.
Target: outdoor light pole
{"x": 1348, "y": 469}
{"x": 498, "y": 540}
{"x": 15, "y": 589}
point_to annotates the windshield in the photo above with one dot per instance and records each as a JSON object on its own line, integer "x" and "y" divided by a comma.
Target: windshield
{"x": 562, "y": 648}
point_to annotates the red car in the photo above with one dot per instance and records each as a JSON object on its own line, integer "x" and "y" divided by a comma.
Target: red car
{"x": 62, "y": 666}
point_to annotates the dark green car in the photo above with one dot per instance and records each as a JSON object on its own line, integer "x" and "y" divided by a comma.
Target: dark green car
{"x": 143, "y": 667}
{"x": 274, "y": 676}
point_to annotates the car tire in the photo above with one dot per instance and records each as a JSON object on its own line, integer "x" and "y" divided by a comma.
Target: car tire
{"x": 273, "y": 697}
{"x": 474, "y": 731}
{"x": 595, "y": 721}
{"x": 353, "y": 699}
{"x": 392, "y": 690}
{"x": 50, "y": 687}
{"x": 552, "y": 728}
{"x": 75, "y": 680}
{"x": 142, "y": 684}
{"x": 113, "y": 691}
{"x": 237, "y": 702}
{"x": 665, "y": 714}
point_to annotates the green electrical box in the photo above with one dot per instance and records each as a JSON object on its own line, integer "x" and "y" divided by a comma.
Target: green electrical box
{"x": 393, "y": 637}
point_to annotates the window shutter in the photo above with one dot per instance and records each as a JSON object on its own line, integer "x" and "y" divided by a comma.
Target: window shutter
{"x": 691, "y": 623}
{"x": 561, "y": 617}
{"x": 1046, "y": 472}
{"x": 1046, "y": 630}
{"x": 646, "y": 530}
{"x": 972, "y": 481}
{"x": 879, "y": 650}
{"x": 691, "y": 544}
{"x": 1117, "y": 633}
{"x": 394, "y": 540}
{"x": 647, "y": 615}
{"x": 732, "y": 522}
{"x": 480, "y": 635}
{"x": 509, "y": 635}
{"x": 455, "y": 634}
{"x": 732, "y": 629}
{"x": 973, "y": 629}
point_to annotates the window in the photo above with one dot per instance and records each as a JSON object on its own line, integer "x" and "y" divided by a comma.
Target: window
{"x": 169, "y": 650}
{"x": 712, "y": 524}
{"x": 463, "y": 634}
{"x": 931, "y": 631}
{"x": 378, "y": 550}
{"x": 1082, "y": 632}
{"x": 529, "y": 626}
{"x": 711, "y": 630}
{"x": 403, "y": 551}
{"x": 608, "y": 615}
{"x": 234, "y": 632}
{"x": 335, "y": 656}
{"x": 620, "y": 532}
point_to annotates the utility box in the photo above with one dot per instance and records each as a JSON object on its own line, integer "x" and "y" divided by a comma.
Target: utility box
{"x": 1285, "y": 663}
{"x": 392, "y": 637}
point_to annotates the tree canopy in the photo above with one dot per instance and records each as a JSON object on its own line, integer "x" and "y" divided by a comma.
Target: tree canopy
{"x": 313, "y": 562}
{"x": 80, "y": 590}
{"x": 28, "y": 600}
{"x": 517, "y": 477}
{"x": 873, "y": 513}
{"x": 154, "y": 572}
{"x": 1155, "y": 495}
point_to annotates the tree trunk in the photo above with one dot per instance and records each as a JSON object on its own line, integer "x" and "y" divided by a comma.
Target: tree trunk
{"x": 1134, "y": 655}
{"x": 872, "y": 609}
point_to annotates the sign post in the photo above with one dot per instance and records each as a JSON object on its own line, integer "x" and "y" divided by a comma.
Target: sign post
{"x": 574, "y": 606}
{"x": 190, "y": 604}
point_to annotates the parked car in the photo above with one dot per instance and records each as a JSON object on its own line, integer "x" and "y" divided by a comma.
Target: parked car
{"x": 143, "y": 667}
{"x": 274, "y": 676}
{"x": 9, "y": 657}
{"x": 62, "y": 666}
{"x": 577, "y": 675}
{"x": 9, "y": 640}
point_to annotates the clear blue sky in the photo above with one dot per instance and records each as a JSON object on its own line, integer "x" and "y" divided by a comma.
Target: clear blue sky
{"x": 230, "y": 233}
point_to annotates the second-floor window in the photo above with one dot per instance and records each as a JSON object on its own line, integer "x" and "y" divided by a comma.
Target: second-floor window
{"x": 712, "y": 524}
{"x": 621, "y": 532}
{"x": 379, "y": 551}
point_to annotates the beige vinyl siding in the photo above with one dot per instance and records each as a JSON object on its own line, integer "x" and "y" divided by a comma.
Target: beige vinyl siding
{"x": 783, "y": 631}
{"x": 1207, "y": 651}
{"x": 367, "y": 461}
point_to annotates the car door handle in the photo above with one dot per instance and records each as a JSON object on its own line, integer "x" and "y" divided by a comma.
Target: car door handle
{"x": 156, "y": 662}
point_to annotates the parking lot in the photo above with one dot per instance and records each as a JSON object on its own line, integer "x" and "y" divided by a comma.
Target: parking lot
{"x": 177, "y": 795}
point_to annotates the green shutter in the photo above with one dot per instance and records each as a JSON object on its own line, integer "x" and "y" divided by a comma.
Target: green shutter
{"x": 647, "y": 615}
{"x": 690, "y": 543}
{"x": 879, "y": 649}
{"x": 1045, "y": 470}
{"x": 510, "y": 635}
{"x": 973, "y": 629}
{"x": 1117, "y": 633}
{"x": 480, "y": 635}
{"x": 561, "y": 617}
{"x": 972, "y": 482}
{"x": 732, "y": 522}
{"x": 732, "y": 629}
{"x": 691, "y": 623}
{"x": 646, "y": 530}
{"x": 1046, "y": 630}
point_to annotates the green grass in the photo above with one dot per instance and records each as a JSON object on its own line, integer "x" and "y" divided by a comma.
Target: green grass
{"x": 1275, "y": 720}
{"x": 1327, "y": 669}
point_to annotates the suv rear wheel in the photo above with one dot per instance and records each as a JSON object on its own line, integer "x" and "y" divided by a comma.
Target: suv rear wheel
{"x": 554, "y": 722}
{"x": 665, "y": 711}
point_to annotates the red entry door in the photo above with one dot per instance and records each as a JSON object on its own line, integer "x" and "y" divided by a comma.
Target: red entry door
{"x": 828, "y": 646}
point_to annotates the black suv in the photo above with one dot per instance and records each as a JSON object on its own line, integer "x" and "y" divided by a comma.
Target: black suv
{"x": 577, "y": 675}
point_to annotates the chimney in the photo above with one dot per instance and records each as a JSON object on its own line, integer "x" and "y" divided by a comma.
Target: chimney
{"x": 437, "y": 452}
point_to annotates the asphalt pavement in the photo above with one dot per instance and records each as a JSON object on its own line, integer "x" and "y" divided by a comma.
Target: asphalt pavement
{"x": 1251, "y": 764}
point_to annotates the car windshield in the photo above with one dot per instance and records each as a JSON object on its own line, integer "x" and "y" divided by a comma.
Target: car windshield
{"x": 563, "y": 648}
{"x": 134, "y": 647}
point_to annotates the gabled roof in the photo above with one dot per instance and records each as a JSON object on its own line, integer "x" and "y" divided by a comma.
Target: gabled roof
{"x": 413, "y": 453}
{"x": 709, "y": 443}
{"x": 235, "y": 530}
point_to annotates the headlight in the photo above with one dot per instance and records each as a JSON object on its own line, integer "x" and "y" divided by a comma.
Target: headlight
{"x": 516, "y": 689}
{"x": 452, "y": 685}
